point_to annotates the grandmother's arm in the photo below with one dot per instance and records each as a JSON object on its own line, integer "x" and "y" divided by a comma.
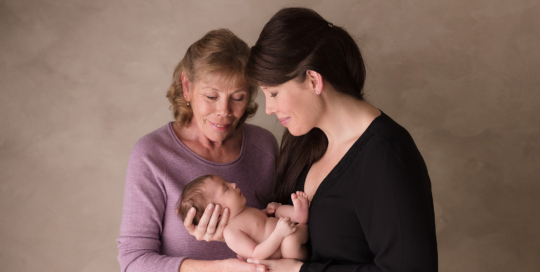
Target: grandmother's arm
{"x": 232, "y": 265}
{"x": 142, "y": 217}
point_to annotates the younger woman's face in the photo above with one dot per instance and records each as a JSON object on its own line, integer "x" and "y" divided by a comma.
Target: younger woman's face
{"x": 294, "y": 104}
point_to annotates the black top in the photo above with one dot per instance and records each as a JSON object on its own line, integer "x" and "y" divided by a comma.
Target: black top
{"x": 374, "y": 210}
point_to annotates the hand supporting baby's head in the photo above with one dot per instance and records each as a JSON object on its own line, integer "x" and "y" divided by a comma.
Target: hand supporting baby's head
{"x": 193, "y": 195}
{"x": 210, "y": 189}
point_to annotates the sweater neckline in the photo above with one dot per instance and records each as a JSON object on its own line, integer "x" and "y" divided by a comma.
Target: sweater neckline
{"x": 193, "y": 154}
{"x": 342, "y": 165}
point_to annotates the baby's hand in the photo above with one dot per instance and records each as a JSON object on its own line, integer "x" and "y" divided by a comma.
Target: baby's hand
{"x": 285, "y": 227}
{"x": 271, "y": 208}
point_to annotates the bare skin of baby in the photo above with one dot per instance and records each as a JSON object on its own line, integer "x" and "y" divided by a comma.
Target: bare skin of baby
{"x": 251, "y": 233}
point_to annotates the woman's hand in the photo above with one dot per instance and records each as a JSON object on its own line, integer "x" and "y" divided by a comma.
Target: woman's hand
{"x": 280, "y": 265}
{"x": 208, "y": 228}
{"x": 228, "y": 265}
{"x": 240, "y": 265}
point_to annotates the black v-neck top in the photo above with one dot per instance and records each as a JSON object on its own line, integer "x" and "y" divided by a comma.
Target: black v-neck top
{"x": 374, "y": 210}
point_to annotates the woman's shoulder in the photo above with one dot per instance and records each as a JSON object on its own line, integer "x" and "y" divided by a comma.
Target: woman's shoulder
{"x": 257, "y": 131}
{"x": 153, "y": 141}
{"x": 384, "y": 127}
{"x": 385, "y": 131}
{"x": 391, "y": 144}
{"x": 260, "y": 137}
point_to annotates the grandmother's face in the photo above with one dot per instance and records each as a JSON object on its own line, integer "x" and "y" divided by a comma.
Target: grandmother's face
{"x": 217, "y": 108}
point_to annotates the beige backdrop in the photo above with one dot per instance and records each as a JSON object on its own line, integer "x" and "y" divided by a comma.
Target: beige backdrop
{"x": 81, "y": 81}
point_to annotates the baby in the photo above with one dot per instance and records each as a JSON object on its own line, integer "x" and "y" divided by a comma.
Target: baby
{"x": 250, "y": 232}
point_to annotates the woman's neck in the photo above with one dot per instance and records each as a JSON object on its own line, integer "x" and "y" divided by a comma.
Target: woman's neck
{"x": 345, "y": 119}
{"x": 219, "y": 152}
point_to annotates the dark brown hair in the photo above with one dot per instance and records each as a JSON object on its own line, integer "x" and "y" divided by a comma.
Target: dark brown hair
{"x": 294, "y": 41}
{"x": 193, "y": 196}
{"x": 219, "y": 53}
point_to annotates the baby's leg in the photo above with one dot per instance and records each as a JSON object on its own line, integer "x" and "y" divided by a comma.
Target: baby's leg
{"x": 298, "y": 213}
{"x": 293, "y": 246}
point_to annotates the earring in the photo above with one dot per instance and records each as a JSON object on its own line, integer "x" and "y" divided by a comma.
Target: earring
{"x": 188, "y": 103}
{"x": 317, "y": 92}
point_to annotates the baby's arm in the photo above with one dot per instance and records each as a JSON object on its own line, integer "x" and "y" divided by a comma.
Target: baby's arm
{"x": 244, "y": 246}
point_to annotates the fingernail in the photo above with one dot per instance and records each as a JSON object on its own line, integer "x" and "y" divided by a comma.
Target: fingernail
{"x": 249, "y": 260}
{"x": 192, "y": 210}
{"x": 210, "y": 206}
{"x": 217, "y": 207}
{"x": 226, "y": 210}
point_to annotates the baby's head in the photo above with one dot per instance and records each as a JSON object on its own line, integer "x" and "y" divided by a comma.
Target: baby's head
{"x": 209, "y": 189}
{"x": 193, "y": 195}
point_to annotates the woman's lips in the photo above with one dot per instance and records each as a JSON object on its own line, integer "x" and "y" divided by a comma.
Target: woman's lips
{"x": 220, "y": 126}
{"x": 284, "y": 121}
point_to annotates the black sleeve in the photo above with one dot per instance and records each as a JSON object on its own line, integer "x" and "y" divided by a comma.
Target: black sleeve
{"x": 393, "y": 212}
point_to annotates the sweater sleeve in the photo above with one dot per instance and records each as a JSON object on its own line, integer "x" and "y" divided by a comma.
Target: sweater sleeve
{"x": 395, "y": 217}
{"x": 142, "y": 218}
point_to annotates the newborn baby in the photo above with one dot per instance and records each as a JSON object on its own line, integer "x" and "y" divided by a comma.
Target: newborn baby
{"x": 250, "y": 232}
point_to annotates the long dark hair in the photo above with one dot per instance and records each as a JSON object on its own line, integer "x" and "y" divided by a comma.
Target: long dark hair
{"x": 294, "y": 41}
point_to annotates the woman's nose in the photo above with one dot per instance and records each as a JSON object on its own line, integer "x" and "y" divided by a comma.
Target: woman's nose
{"x": 269, "y": 109}
{"x": 233, "y": 185}
{"x": 223, "y": 108}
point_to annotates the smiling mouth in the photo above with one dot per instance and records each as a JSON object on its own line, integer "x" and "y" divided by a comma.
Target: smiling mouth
{"x": 220, "y": 126}
{"x": 284, "y": 121}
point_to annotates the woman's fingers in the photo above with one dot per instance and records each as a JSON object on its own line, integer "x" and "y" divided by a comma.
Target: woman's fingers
{"x": 279, "y": 265}
{"x": 260, "y": 266}
{"x": 188, "y": 221}
{"x": 240, "y": 258}
{"x": 239, "y": 265}
{"x": 200, "y": 232}
{"x": 208, "y": 229}
{"x": 221, "y": 226}
{"x": 211, "y": 228}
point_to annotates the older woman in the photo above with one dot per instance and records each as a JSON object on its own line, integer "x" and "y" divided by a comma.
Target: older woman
{"x": 211, "y": 100}
{"x": 371, "y": 203}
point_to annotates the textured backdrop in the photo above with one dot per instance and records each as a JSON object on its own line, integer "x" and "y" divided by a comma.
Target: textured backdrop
{"x": 81, "y": 81}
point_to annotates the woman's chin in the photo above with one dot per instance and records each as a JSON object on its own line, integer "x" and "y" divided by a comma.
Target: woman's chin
{"x": 218, "y": 135}
{"x": 297, "y": 132}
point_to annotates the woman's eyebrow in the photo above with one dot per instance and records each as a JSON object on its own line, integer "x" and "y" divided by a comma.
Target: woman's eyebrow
{"x": 210, "y": 87}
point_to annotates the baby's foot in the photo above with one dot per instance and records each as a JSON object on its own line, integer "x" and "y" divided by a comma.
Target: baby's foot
{"x": 301, "y": 207}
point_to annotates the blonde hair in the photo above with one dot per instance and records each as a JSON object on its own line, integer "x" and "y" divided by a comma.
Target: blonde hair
{"x": 219, "y": 53}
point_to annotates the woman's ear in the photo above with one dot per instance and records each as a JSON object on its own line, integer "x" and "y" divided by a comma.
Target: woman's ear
{"x": 186, "y": 85}
{"x": 315, "y": 81}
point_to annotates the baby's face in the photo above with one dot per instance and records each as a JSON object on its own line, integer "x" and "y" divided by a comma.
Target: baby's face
{"x": 227, "y": 195}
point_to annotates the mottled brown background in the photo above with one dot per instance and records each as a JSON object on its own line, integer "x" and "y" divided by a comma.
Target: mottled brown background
{"x": 81, "y": 81}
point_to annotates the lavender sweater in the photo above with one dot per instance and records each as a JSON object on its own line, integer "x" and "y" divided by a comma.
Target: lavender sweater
{"x": 152, "y": 237}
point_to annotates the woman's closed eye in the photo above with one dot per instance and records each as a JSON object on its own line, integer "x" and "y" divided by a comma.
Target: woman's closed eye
{"x": 273, "y": 94}
{"x": 238, "y": 98}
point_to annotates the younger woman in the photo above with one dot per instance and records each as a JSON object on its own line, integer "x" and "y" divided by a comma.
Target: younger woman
{"x": 371, "y": 203}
